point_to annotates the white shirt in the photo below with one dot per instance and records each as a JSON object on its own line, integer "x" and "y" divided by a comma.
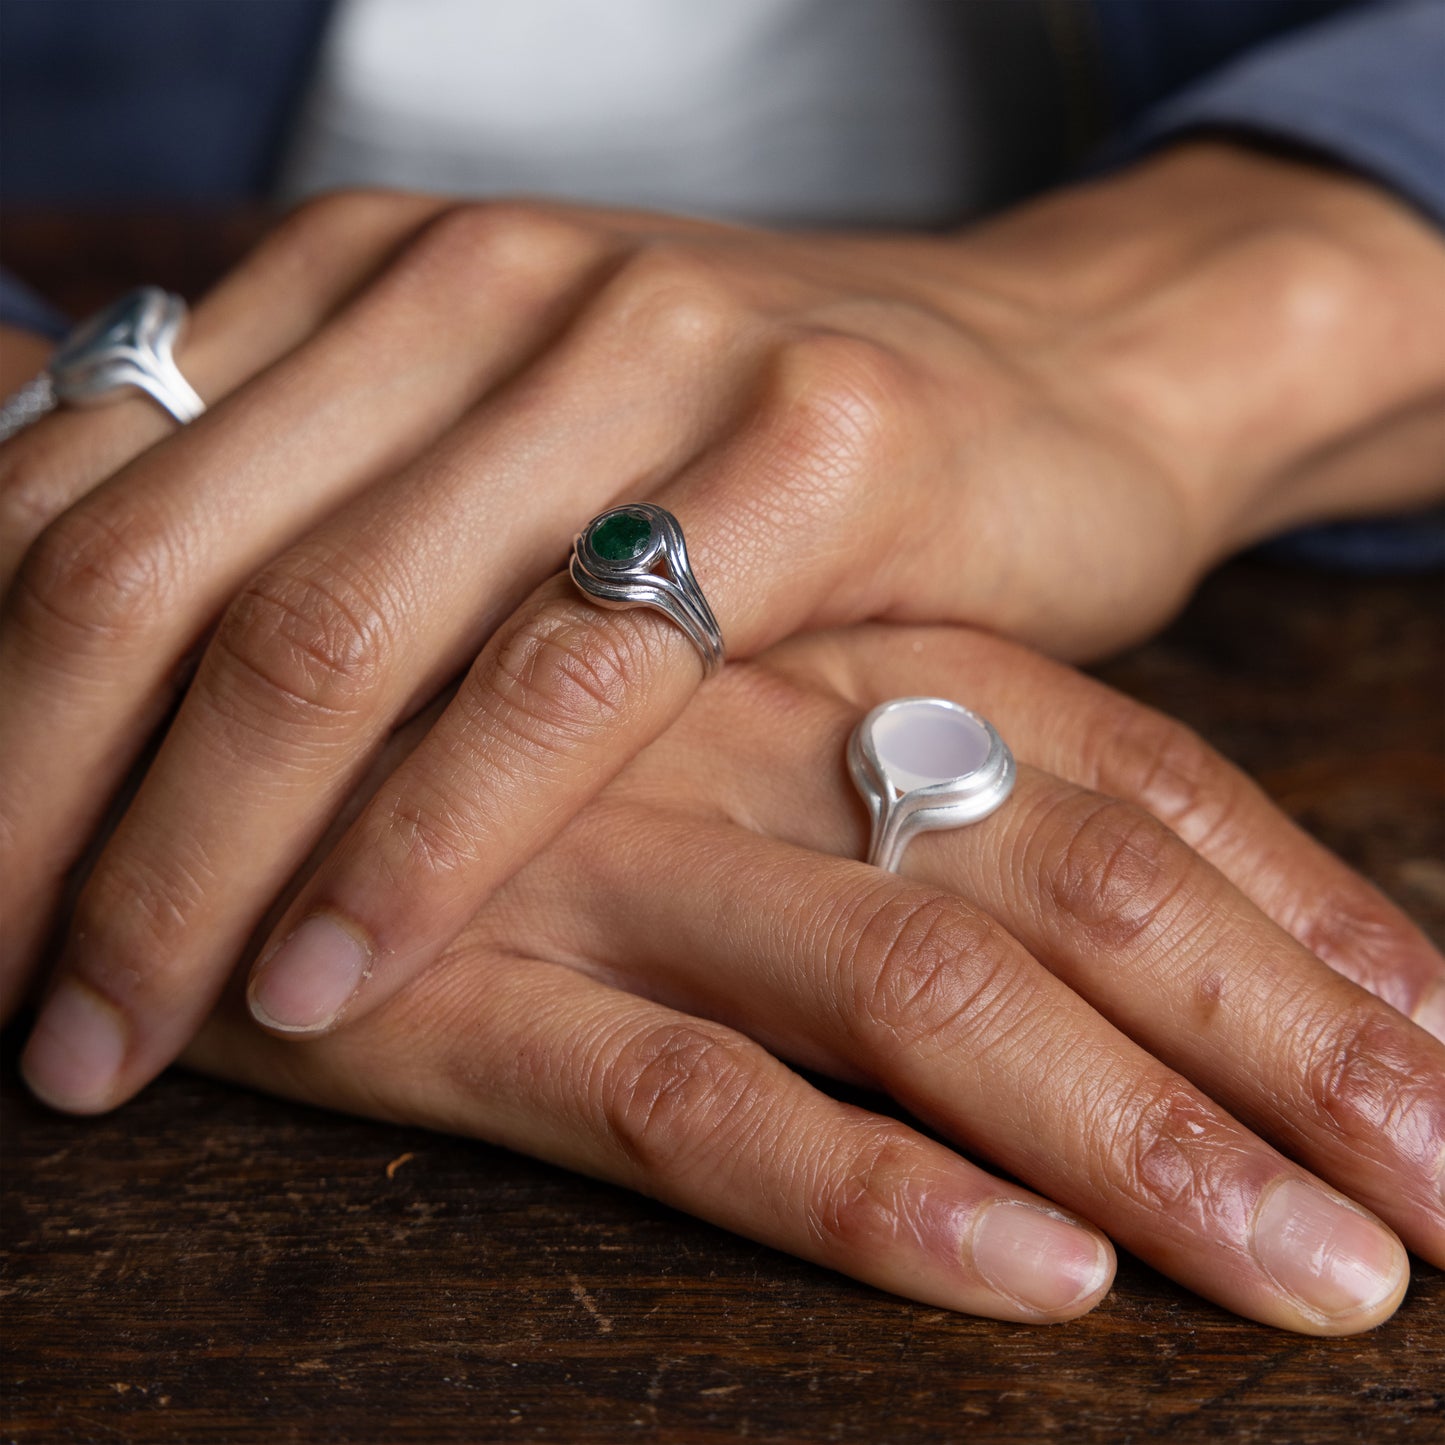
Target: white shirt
{"x": 883, "y": 112}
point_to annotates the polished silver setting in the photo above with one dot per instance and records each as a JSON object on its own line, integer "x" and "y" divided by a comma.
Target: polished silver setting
{"x": 658, "y": 576}
{"x": 130, "y": 344}
{"x": 909, "y": 797}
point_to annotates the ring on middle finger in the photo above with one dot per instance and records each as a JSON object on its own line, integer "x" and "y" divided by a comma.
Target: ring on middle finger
{"x": 923, "y": 763}
{"x": 635, "y": 556}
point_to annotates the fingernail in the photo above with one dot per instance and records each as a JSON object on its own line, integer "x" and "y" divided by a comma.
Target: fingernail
{"x": 1430, "y": 1015}
{"x": 75, "y": 1050}
{"x": 1331, "y": 1258}
{"x": 1040, "y": 1260}
{"x": 306, "y": 983}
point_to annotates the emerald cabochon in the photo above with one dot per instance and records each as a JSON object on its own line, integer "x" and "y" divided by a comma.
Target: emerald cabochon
{"x": 621, "y": 537}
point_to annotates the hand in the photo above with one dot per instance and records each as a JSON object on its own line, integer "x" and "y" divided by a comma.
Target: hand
{"x": 1066, "y": 990}
{"x": 1043, "y": 426}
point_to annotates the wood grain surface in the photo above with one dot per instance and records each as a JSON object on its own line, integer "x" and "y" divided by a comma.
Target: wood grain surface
{"x": 213, "y": 1266}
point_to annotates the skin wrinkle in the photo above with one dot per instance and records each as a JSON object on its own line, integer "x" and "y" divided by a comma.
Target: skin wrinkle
{"x": 86, "y": 579}
{"x": 864, "y": 1205}
{"x": 1352, "y": 927}
{"x": 1367, "y": 1086}
{"x": 904, "y": 969}
{"x": 674, "y": 1087}
{"x": 1112, "y": 872}
{"x": 1180, "y": 782}
{"x": 317, "y": 654}
{"x": 122, "y": 943}
{"x": 1179, "y": 1159}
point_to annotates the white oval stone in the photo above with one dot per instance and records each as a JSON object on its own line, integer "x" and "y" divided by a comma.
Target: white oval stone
{"x": 924, "y": 741}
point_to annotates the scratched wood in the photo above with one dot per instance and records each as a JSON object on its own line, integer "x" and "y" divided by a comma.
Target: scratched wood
{"x": 214, "y": 1266}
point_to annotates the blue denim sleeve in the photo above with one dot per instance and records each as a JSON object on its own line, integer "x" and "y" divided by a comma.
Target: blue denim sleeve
{"x": 1364, "y": 87}
{"x": 23, "y": 309}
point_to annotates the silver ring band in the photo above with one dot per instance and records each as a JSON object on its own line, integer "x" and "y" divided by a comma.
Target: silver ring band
{"x": 923, "y": 763}
{"x": 635, "y": 556}
{"x": 131, "y": 343}
{"x": 21, "y": 408}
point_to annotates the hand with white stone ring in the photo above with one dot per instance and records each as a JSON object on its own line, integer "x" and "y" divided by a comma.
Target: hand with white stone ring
{"x": 1040, "y": 425}
{"x": 1077, "y": 977}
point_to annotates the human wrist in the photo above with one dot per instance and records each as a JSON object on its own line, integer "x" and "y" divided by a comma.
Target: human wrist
{"x": 1269, "y": 331}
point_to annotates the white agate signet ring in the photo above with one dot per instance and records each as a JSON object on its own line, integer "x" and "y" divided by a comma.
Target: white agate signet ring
{"x": 923, "y": 763}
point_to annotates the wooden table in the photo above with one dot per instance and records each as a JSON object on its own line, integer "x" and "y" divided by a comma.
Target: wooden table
{"x": 212, "y": 1266}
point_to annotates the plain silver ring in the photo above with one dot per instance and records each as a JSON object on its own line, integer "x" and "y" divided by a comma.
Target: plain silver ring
{"x": 923, "y": 763}
{"x": 635, "y": 556}
{"x": 128, "y": 344}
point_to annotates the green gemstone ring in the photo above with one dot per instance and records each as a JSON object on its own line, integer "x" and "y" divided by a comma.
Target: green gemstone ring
{"x": 634, "y": 556}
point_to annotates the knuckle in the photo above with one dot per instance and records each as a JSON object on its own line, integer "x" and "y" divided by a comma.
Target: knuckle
{"x": 1116, "y": 873}
{"x": 1166, "y": 1149}
{"x": 1308, "y": 285}
{"x": 918, "y": 967}
{"x": 428, "y": 832}
{"x": 841, "y": 405}
{"x": 31, "y": 493}
{"x": 318, "y": 221}
{"x": 485, "y": 240}
{"x": 669, "y": 297}
{"x": 94, "y": 574}
{"x": 866, "y": 1199}
{"x": 305, "y": 242}
{"x": 130, "y": 918}
{"x": 679, "y": 1092}
{"x": 1365, "y": 1080}
{"x": 1167, "y": 769}
{"x": 1358, "y": 932}
{"x": 307, "y": 646}
{"x": 558, "y": 677}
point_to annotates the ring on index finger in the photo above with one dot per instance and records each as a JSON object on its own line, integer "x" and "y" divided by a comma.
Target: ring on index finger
{"x": 635, "y": 556}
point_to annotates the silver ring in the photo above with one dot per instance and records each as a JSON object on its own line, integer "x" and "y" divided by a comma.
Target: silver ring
{"x": 923, "y": 763}
{"x": 634, "y": 556}
{"x": 131, "y": 343}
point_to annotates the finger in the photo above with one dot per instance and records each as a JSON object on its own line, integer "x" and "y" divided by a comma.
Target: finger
{"x": 565, "y": 693}
{"x": 538, "y": 1058}
{"x": 273, "y": 301}
{"x": 319, "y": 657}
{"x": 23, "y": 355}
{"x": 1077, "y": 728}
{"x": 1159, "y": 941}
{"x": 840, "y": 967}
{"x": 121, "y": 588}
